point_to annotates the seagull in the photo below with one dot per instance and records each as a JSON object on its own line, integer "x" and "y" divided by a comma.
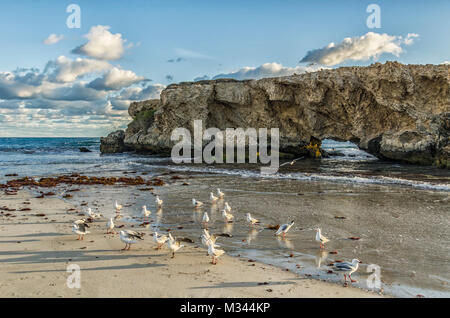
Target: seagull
{"x": 205, "y": 218}
{"x": 252, "y": 221}
{"x": 110, "y": 226}
{"x": 228, "y": 217}
{"x": 196, "y": 203}
{"x": 79, "y": 227}
{"x": 227, "y": 207}
{"x": 158, "y": 201}
{"x": 91, "y": 214}
{"x": 213, "y": 198}
{"x": 215, "y": 253}
{"x": 145, "y": 213}
{"x": 118, "y": 207}
{"x": 173, "y": 245}
{"x": 283, "y": 229}
{"x": 291, "y": 162}
{"x": 320, "y": 238}
{"x": 207, "y": 237}
{"x": 129, "y": 237}
{"x": 159, "y": 239}
{"x": 220, "y": 193}
{"x": 347, "y": 268}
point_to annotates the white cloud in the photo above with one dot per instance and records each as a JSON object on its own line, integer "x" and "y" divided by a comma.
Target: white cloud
{"x": 265, "y": 70}
{"x": 365, "y": 47}
{"x": 191, "y": 54}
{"x": 116, "y": 79}
{"x": 102, "y": 44}
{"x": 53, "y": 39}
{"x": 127, "y": 95}
{"x": 446, "y": 63}
{"x": 64, "y": 69}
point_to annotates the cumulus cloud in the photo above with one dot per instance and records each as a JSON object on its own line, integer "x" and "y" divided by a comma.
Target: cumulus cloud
{"x": 446, "y": 63}
{"x": 102, "y": 44}
{"x": 265, "y": 70}
{"x": 64, "y": 69}
{"x": 53, "y": 39}
{"x": 116, "y": 79}
{"x": 122, "y": 99}
{"x": 365, "y": 47}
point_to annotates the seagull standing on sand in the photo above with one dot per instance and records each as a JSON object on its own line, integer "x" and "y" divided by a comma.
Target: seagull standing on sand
{"x": 347, "y": 268}
{"x": 205, "y": 218}
{"x": 213, "y": 198}
{"x": 145, "y": 213}
{"x": 110, "y": 226}
{"x": 159, "y": 239}
{"x": 227, "y": 207}
{"x": 88, "y": 212}
{"x": 228, "y": 217}
{"x": 158, "y": 201}
{"x": 118, "y": 207}
{"x": 196, "y": 203}
{"x": 252, "y": 221}
{"x": 220, "y": 193}
{"x": 283, "y": 229}
{"x": 79, "y": 227}
{"x": 129, "y": 237}
{"x": 207, "y": 237}
{"x": 173, "y": 245}
{"x": 215, "y": 253}
{"x": 320, "y": 238}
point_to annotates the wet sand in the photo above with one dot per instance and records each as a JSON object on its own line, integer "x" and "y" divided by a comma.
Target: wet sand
{"x": 36, "y": 249}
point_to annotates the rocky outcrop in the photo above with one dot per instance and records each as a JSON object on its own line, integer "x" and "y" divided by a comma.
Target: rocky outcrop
{"x": 394, "y": 111}
{"x": 113, "y": 143}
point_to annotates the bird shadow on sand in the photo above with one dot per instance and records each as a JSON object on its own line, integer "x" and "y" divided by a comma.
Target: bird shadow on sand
{"x": 37, "y": 235}
{"x": 243, "y": 284}
{"x": 106, "y": 268}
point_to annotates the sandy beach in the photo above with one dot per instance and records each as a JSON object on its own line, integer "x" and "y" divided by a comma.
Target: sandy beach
{"x": 37, "y": 245}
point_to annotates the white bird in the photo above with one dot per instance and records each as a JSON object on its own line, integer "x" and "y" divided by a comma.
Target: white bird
{"x": 291, "y": 162}
{"x": 118, "y": 207}
{"x": 227, "y": 207}
{"x": 215, "y": 253}
{"x": 320, "y": 238}
{"x": 110, "y": 226}
{"x": 88, "y": 212}
{"x": 173, "y": 245}
{"x": 283, "y": 229}
{"x": 228, "y": 217}
{"x": 213, "y": 198}
{"x": 196, "y": 203}
{"x": 145, "y": 213}
{"x": 158, "y": 201}
{"x": 347, "y": 268}
{"x": 159, "y": 239}
{"x": 205, "y": 218}
{"x": 220, "y": 193}
{"x": 129, "y": 237}
{"x": 207, "y": 237}
{"x": 79, "y": 227}
{"x": 252, "y": 221}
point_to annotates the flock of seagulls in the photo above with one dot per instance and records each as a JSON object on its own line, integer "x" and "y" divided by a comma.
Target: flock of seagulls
{"x": 130, "y": 237}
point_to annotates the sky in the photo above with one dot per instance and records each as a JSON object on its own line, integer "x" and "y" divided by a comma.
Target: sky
{"x": 59, "y": 79}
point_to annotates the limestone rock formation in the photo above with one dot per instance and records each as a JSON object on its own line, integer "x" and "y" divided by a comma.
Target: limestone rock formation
{"x": 113, "y": 143}
{"x": 395, "y": 111}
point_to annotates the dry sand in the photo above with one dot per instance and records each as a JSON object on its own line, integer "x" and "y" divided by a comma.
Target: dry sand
{"x": 36, "y": 250}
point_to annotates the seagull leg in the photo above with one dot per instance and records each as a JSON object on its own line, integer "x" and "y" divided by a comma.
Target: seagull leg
{"x": 123, "y": 249}
{"x": 173, "y": 254}
{"x": 352, "y": 280}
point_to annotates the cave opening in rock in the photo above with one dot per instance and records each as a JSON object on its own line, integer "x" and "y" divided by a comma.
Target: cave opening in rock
{"x": 345, "y": 150}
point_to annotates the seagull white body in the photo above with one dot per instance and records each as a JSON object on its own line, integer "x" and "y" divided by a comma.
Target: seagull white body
{"x": 228, "y": 217}
{"x": 220, "y": 193}
{"x": 227, "y": 207}
{"x": 129, "y": 237}
{"x": 196, "y": 203}
{"x": 205, "y": 218}
{"x": 173, "y": 245}
{"x": 252, "y": 221}
{"x": 347, "y": 268}
{"x": 118, "y": 207}
{"x": 159, "y": 239}
{"x": 283, "y": 229}
{"x": 158, "y": 201}
{"x": 145, "y": 213}
{"x": 91, "y": 214}
{"x": 206, "y": 237}
{"x": 213, "y": 198}
{"x": 79, "y": 227}
{"x": 215, "y": 253}
{"x": 320, "y": 238}
{"x": 109, "y": 226}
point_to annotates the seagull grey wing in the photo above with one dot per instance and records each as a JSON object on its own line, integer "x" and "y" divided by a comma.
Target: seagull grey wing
{"x": 344, "y": 266}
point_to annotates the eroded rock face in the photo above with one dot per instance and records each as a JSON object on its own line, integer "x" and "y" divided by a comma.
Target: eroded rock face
{"x": 113, "y": 143}
{"x": 395, "y": 111}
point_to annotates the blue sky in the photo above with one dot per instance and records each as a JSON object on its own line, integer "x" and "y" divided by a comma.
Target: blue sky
{"x": 207, "y": 37}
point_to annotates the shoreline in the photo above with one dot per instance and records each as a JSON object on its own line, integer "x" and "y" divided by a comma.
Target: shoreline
{"x": 35, "y": 263}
